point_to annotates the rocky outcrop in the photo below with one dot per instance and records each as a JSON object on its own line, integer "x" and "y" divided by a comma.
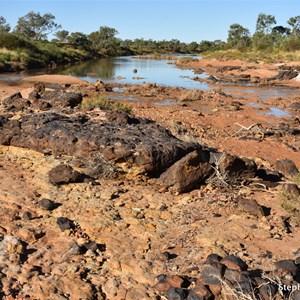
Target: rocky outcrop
{"x": 230, "y": 278}
{"x": 137, "y": 143}
{"x": 41, "y": 100}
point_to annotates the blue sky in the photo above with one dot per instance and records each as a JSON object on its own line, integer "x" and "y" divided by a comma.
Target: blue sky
{"x": 187, "y": 21}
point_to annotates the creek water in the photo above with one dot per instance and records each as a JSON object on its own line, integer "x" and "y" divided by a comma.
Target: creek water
{"x": 121, "y": 70}
{"x": 161, "y": 72}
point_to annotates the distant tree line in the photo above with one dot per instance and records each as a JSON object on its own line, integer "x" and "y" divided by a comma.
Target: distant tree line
{"x": 268, "y": 35}
{"x": 36, "y": 27}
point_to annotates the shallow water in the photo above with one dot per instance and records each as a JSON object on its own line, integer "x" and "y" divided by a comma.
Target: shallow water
{"x": 120, "y": 69}
{"x": 277, "y": 112}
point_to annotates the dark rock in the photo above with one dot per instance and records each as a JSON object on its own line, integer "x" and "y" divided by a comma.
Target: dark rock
{"x": 234, "y": 262}
{"x": 213, "y": 273}
{"x": 245, "y": 76}
{"x": 166, "y": 255}
{"x": 120, "y": 118}
{"x": 176, "y": 294}
{"x": 147, "y": 146}
{"x": 34, "y": 95}
{"x": 16, "y": 102}
{"x": 64, "y": 223}
{"x": 188, "y": 172}
{"x": 64, "y": 174}
{"x": 244, "y": 288}
{"x": 48, "y": 204}
{"x": 27, "y": 215}
{"x": 288, "y": 266}
{"x": 212, "y": 78}
{"x": 213, "y": 258}
{"x": 161, "y": 278}
{"x": 235, "y": 276}
{"x": 285, "y": 75}
{"x": 287, "y": 167}
{"x": 233, "y": 167}
{"x": 200, "y": 292}
{"x": 62, "y": 98}
{"x": 228, "y": 68}
{"x": 250, "y": 206}
{"x": 10, "y": 99}
{"x": 267, "y": 290}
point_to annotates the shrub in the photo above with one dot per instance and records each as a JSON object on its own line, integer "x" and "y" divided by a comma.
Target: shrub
{"x": 105, "y": 103}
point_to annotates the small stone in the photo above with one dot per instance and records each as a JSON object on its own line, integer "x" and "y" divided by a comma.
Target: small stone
{"x": 27, "y": 215}
{"x": 234, "y": 262}
{"x": 64, "y": 223}
{"x": 48, "y": 204}
{"x": 64, "y": 174}
{"x": 287, "y": 167}
{"x": 176, "y": 294}
{"x": 75, "y": 249}
{"x": 250, "y": 206}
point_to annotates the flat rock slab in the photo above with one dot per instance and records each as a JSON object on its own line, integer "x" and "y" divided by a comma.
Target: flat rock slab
{"x": 137, "y": 143}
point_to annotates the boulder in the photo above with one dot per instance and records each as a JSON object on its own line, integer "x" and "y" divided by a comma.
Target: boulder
{"x": 62, "y": 98}
{"x": 232, "y": 167}
{"x": 188, "y": 172}
{"x": 63, "y": 174}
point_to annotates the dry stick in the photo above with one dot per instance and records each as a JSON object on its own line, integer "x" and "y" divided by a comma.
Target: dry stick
{"x": 249, "y": 128}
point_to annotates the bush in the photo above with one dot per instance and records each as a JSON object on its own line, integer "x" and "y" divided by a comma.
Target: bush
{"x": 13, "y": 42}
{"x": 292, "y": 43}
{"x": 105, "y": 103}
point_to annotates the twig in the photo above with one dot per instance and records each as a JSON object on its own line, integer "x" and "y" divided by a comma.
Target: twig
{"x": 249, "y": 128}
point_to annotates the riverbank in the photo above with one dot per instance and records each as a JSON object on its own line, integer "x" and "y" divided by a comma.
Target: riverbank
{"x": 259, "y": 73}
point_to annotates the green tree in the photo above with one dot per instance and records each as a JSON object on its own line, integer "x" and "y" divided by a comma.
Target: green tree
{"x": 294, "y": 22}
{"x": 264, "y": 23}
{"x": 34, "y": 26}
{"x": 281, "y": 31}
{"x": 4, "y": 26}
{"x": 238, "y": 36}
{"x": 192, "y": 47}
{"x": 105, "y": 41}
{"x": 62, "y": 35}
{"x": 79, "y": 39}
{"x": 262, "y": 41}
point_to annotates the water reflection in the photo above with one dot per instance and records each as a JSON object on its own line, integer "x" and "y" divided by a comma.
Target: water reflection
{"x": 96, "y": 69}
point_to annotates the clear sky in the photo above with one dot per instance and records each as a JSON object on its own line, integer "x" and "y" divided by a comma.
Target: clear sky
{"x": 191, "y": 20}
